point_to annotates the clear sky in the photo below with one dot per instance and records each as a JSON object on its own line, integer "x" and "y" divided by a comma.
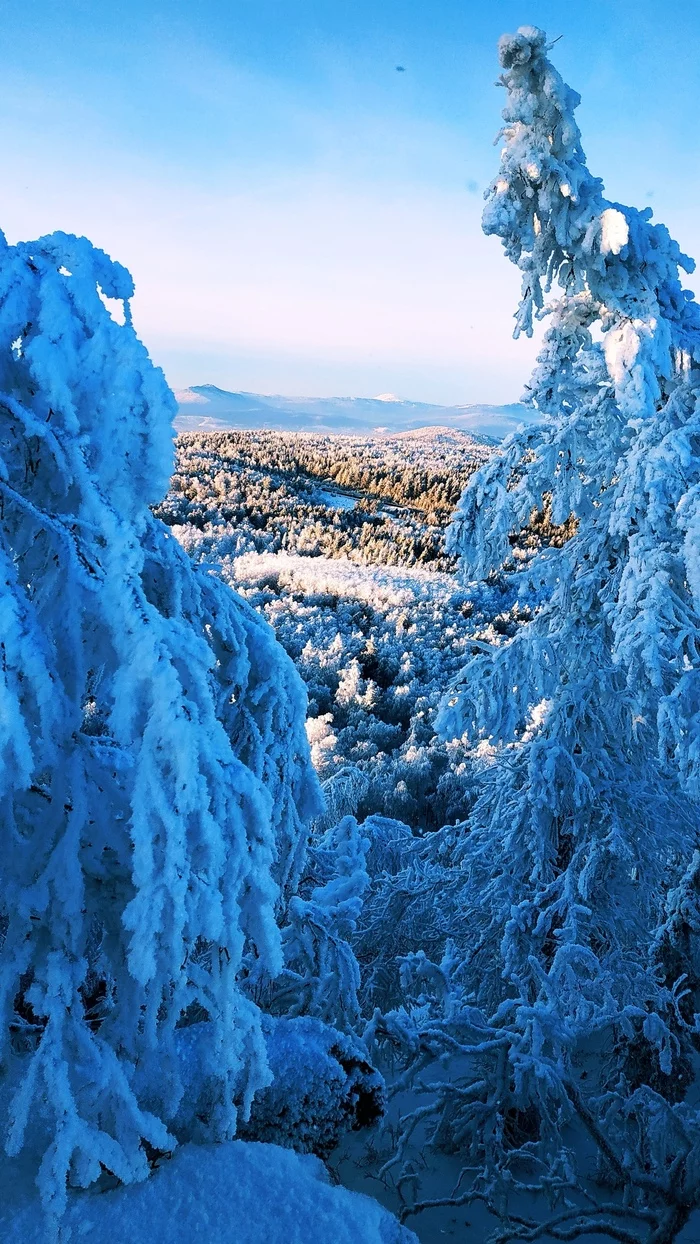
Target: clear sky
{"x": 299, "y": 216}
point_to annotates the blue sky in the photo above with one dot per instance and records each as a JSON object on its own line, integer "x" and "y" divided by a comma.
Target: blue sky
{"x": 300, "y": 217}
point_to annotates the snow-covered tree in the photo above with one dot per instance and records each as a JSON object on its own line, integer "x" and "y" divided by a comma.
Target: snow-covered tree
{"x": 593, "y": 701}
{"x": 154, "y": 772}
{"x": 572, "y": 984}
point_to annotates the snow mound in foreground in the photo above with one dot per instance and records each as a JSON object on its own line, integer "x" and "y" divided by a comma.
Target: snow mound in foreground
{"x": 235, "y": 1193}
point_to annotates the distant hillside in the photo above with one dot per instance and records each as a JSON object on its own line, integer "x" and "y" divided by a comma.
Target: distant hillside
{"x": 204, "y": 407}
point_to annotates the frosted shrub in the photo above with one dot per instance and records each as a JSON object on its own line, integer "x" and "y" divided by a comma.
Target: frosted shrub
{"x": 321, "y": 976}
{"x": 154, "y": 774}
{"x": 322, "y": 1087}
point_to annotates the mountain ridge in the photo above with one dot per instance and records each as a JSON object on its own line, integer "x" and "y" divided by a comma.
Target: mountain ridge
{"x": 207, "y": 407}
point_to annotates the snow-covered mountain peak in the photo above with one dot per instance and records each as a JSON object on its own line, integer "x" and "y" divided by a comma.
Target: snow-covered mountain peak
{"x": 203, "y": 407}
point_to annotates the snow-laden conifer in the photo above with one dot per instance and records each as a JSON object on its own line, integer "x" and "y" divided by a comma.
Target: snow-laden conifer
{"x": 588, "y": 808}
{"x": 571, "y": 986}
{"x": 154, "y": 775}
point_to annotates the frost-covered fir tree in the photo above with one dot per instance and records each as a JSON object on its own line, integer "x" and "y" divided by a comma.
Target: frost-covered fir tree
{"x": 154, "y": 772}
{"x": 573, "y": 981}
{"x": 592, "y": 704}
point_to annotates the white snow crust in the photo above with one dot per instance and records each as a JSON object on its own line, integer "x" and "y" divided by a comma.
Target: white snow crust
{"x": 234, "y": 1193}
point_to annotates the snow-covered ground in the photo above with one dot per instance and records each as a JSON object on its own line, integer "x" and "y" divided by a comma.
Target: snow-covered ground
{"x": 337, "y": 500}
{"x": 399, "y": 586}
{"x": 235, "y": 1193}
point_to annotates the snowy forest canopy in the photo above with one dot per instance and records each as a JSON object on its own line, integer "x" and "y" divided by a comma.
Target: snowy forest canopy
{"x": 409, "y": 878}
{"x": 340, "y": 542}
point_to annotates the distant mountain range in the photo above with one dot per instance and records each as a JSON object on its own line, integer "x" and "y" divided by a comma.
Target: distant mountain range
{"x": 205, "y": 407}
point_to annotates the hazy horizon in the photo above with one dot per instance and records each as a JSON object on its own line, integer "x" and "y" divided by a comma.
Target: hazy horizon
{"x": 181, "y": 394}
